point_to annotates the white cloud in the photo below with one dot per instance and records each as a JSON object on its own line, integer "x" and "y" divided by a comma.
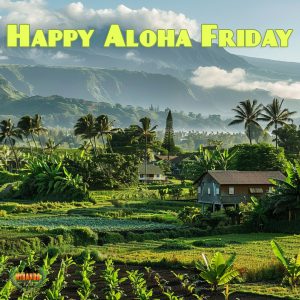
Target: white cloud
{"x": 132, "y": 56}
{"x": 75, "y": 14}
{"x": 61, "y": 55}
{"x": 33, "y": 12}
{"x": 138, "y": 19}
{"x": 238, "y": 80}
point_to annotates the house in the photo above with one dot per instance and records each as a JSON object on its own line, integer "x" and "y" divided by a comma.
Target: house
{"x": 151, "y": 173}
{"x": 227, "y": 188}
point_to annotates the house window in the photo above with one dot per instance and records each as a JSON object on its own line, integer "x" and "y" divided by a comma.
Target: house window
{"x": 217, "y": 191}
{"x": 157, "y": 175}
{"x": 231, "y": 190}
{"x": 208, "y": 191}
{"x": 141, "y": 175}
{"x": 256, "y": 190}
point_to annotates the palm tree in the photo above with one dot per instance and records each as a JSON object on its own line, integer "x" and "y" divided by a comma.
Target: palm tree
{"x": 10, "y": 134}
{"x": 104, "y": 127}
{"x": 85, "y": 128}
{"x": 146, "y": 132}
{"x": 247, "y": 112}
{"x": 38, "y": 128}
{"x": 51, "y": 145}
{"x": 26, "y": 126}
{"x": 275, "y": 115}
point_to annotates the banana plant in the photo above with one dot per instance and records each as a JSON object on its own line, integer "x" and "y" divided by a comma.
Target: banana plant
{"x": 217, "y": 272}
{"x": 291, "y": 265}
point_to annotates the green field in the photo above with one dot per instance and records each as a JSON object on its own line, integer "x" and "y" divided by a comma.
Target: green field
{"x": 148, "y": 229}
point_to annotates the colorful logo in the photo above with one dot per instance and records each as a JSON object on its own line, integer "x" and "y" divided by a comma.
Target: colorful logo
{"x": 28, "y": 279}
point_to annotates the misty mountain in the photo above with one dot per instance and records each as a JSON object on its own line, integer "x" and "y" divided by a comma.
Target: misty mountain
{"x": 126, "y": 88}
{"x": 174, "y": 61}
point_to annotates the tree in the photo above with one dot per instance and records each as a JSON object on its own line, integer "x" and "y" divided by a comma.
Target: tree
{"x": 26, "y": 126}
{"x": 168, "y": 142}
{"x": 10, "y": 134}
{"x": 289, "y": 138}
{"x": 247, "y": 112}
{"x": 104, "y": 127}
{"x": 258, "y": 157}
{"x": 85, "y": 128}
{"x": 147, "y": 133}
{"x": 275, "y": 115}
{"x": 38, "y": 128}
{"x": 51, "y": 145}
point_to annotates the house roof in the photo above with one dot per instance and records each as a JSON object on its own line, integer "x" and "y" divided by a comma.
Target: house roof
{"x": 243, "y": 177}
{"x": 151, "y": 169}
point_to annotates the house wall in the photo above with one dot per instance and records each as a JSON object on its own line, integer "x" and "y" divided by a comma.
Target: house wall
{"x": 241, "y": 192}
{"x": 208, "y": 183}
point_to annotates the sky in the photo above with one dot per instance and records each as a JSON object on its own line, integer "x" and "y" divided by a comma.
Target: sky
{"x": 233, "y": 14}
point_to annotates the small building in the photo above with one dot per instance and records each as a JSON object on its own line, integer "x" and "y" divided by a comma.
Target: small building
{"x": 230, "y": 188}
{"x": 151, "y": 173}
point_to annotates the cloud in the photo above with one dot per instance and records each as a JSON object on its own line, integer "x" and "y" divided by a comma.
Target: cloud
{"x": 33, "y": 12}
{"x": 132, "y": 56}
{"x": 126, "y": 17}
{"x": 75, "y": 14}
{"x": 238, "y": 80}
{"x": 61, "y": 55}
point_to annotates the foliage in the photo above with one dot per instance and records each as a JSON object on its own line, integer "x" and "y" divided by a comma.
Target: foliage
{"x": 276, "y": 116}
{"x": 85, "y": 286}
{"x": 292, "y": 266}
{"x": 289, "y": 138}
{"x": 218, "y": 271}
{"x": 168, "y": 142}
{"x": 113, "y": 290}
{"x": 54, "y": 292}
{"x": 105, "y": 171}
{"x": 48, "y": 177}
{"x": 285, "y": 196}
{"x": 258, "y": 157}
{"x": 139, "y": 285}
{"x": 247, "y": 112}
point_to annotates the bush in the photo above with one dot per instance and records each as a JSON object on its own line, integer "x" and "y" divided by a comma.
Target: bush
{"x": 48, "y": 179}
{"x": 112, "y": 238}
{"x": 84, "y": 236}
{"x": 52, "y": 251}
{"x": 7, "y": 177}
{"x": 3, "y": 213}
{"x": 209, "y": 243}
{"x": 174, "y": 246}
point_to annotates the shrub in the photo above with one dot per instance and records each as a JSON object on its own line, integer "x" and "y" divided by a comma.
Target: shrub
{"x": 84, "y": 236}
{"x": 112, "y": 238}
{"x": 174, "y": 246}
{"x": 7, "y": 177}
{"x": 52, "y": 251}
{"x": 3, "y": 213}
{"x": 209, "y": 243}
{"x": 48, "y": 179}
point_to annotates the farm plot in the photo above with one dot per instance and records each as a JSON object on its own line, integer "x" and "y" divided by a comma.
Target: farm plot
{"x": 99, "y": 224}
